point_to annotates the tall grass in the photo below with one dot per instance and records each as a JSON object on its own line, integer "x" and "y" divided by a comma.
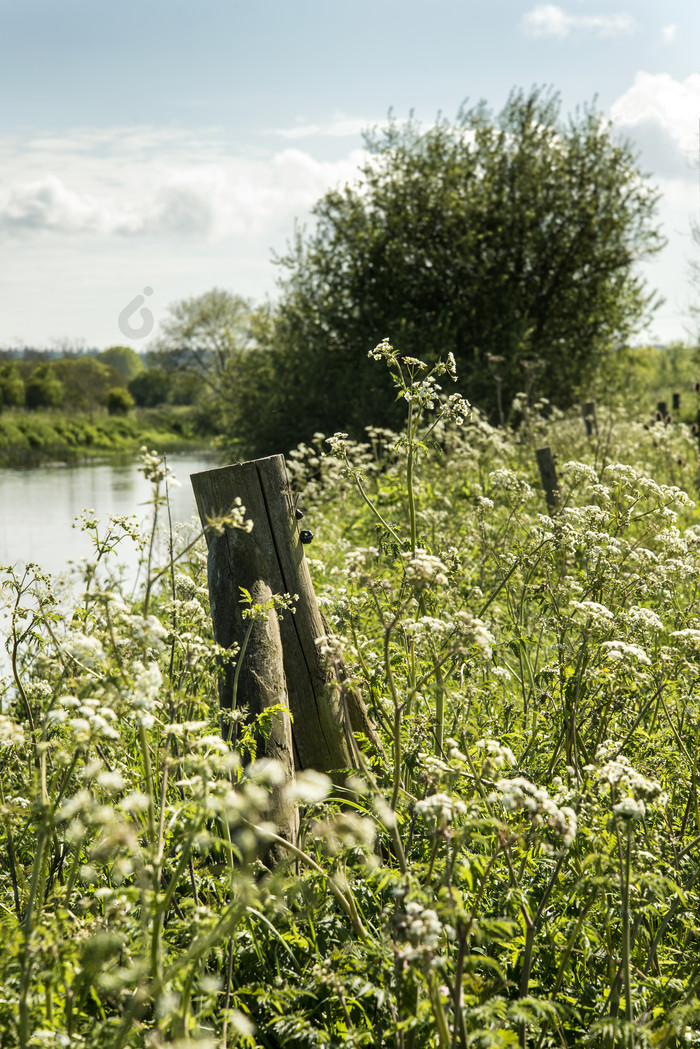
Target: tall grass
{"x": 520, "y": 866}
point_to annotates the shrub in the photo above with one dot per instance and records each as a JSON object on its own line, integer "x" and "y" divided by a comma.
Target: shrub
{"x": 119, "y": 401}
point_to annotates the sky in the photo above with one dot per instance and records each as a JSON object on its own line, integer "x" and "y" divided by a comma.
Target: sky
{"x": 152, "y": 151}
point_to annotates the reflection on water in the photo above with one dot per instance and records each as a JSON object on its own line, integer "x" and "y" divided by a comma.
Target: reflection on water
{"x": 38, "y": 507}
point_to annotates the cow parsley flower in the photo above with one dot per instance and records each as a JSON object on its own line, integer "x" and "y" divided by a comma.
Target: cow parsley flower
{"x": 622, "y": 650}
{"x": 424, "y": 570}
{"x": 440, "y": 808}
{"x": 11, "y": 734}
{"x": 518, "y": 794}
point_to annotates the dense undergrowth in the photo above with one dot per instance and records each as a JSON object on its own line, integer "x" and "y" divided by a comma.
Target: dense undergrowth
{"x": 32, "y": 438}
{"x": 520, "y": 866}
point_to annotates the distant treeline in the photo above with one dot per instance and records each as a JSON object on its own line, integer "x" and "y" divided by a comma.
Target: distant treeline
{"x": 32, "y": 353}
{"x": 116, "y": 379}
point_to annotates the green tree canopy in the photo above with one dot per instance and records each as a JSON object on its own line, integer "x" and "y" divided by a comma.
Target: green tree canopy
{"x": 124, "y": 360}
{"x": 202, "y": 333}
{"x": 44, "y": 389}
{"x": 119, "y": 401}
{"x": 11, "y": 385}
{"x": 85, "y": 380}
{"x": 510, "y": 241}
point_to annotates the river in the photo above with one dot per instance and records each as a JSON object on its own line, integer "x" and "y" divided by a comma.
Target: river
{"x": 38, "y": 508}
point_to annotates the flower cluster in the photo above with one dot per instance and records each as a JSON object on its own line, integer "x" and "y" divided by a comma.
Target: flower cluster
{"x": 234, "y": 517}
{"x": 637, "y": 790}
{"x": 383, "y": 351}
{"x": 88, "y": 719}
{"x": 11, "y": 734}
{"x": 440, "y": 809}
{"x": 519, "y": 794}
{"x": 155, "y": 468}
{"x": 496, "y": 755}
{"x": 142, "y": 697}
{"x": 419, "y": 933}
{"x": 623, "y": 650}
{"x": 424, "y": 570}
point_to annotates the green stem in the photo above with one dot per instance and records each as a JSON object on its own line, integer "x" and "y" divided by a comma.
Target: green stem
{"x": 11, "y": 854}
{"x": 409, "y": 488}
{"x": 370, "y": 504}
{"x": 150, "y": 789}
{"x": 346, "y": 902}
{"x": 439, "y": 705}
{"x": 625, "y": 875}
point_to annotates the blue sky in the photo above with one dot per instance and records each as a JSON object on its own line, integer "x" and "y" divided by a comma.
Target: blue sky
{"x": 173, "y": 145}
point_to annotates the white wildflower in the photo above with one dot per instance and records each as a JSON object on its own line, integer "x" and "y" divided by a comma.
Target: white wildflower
{"x": 519, "y": 794}
{"x": 135, "y": 802}
{"x": 629, "y": 809}
{"x": 576, "y": 471}
{"x": 440, "y": 808}
{"x": 596, "y": 614}
{"x": 87, "y": 650}
{"x": 496, "y": 755}
{"x": 111, "y": 781}
{"x": 509, "y": 481}
{"x": 621, "y": 775}
{"x": 309, "y": 787}
{"x": 11, "y": 734}
{"x": 424, "y": 569}
{"x": 622, "y": 650}
{"x": 473, "y": 631}
{"x": 643, "y": 618}
{"x": 144, "y": 692}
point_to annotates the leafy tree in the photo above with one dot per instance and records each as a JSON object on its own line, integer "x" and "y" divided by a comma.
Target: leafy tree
{"x": 151, "y": 387}
{"x": 510, "y": 241}
{"x": 125, "y": 360}
{"x": 202, "y": 333}
{"x": 86, "y": 381}
{"x": 119, "y": 401}
{"x": 11, "y": 385}
{"x": 44, "y": 389}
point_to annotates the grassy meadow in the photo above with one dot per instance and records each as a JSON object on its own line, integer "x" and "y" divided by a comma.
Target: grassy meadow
{"x": 518, "y": 866}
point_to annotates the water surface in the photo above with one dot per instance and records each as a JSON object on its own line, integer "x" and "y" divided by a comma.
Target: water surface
{"x": 38, "y": 507}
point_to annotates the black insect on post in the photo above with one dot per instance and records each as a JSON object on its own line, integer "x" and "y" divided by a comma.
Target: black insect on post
{"x": 548, "y": 474}
{"x": 589, "y": 418}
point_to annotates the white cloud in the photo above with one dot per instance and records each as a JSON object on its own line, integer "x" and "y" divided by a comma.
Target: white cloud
{"x": 661, "y": 115}
{"x": 668, "y": 33}
{"x": 548, "y": 21}
{"x": 338, "y": 127}
{"x": 141, "y": 182}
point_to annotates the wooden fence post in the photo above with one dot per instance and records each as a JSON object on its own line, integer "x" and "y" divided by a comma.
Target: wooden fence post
{"x": 589, "y": 418}
{"x": 676, "y": 407}
{"x": 270, "y": 560}
{"x": 548, "y": 473}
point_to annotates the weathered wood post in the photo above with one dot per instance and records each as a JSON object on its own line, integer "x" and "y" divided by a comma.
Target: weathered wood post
{"x": 589, "y": 418}
{"x": 548, "y": 474}
{"x": 283, "y": 661}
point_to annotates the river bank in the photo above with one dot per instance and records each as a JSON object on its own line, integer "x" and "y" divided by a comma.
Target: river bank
{"x": 41, "y": 437}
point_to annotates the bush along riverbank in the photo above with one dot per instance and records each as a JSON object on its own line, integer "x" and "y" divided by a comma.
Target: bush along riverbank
{"x": 35, "y": 438}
